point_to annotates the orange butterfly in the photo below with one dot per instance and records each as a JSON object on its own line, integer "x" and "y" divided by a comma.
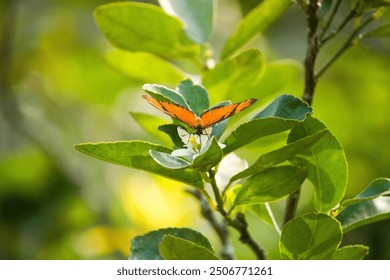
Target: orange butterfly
{"x": 206, "y": 119}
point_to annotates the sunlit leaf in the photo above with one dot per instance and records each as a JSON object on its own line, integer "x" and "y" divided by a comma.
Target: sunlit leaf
{"x": 144, "y": 27}
{"x": 279, "y": 75}
{"x": 325, "y": 162}
{"x": 149, "y": 123}
{"x": 280, "y": 155}
{"x": 196, "y": 14}
{"x": 254, "y": 23}
{"x": 261, "y": 211}
{"x": 351, "y": 252}
{"x": 135, "y": 154}
{"x": 364, "y": 213}
{"x": 171, "y": 131}
{"x": 168, "y": 161}
{"x": 270, "y": 185}
{"x": 282, "y": 114}
{"x": 211, "y": 157}
{"x": 176, "y": 248}
{"x": 235, "y": 79}
{"x": 145, "y": 247}
{"x": 287, "y": 107}
{"x": 144, "y": 67}
{"x": 163, "y": 93}
{"x": 310, "y": 237}
{"x": 378, "y": 187}
{"x": 195, "y": 95}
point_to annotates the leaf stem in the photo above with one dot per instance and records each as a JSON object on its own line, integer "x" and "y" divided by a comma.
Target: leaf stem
{"x": 220, "y": 228}
{"x": 330, "y": 19}
{"x": 217, "y": 193}
{"x": 344, "y": 23}
{"x": 271, "y": 214}
{"x": 239, "y": 222}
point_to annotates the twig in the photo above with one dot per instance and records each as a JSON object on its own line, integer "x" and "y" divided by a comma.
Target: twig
{"x": 350, "y": 16}
{"x": 310, "y": 85}
{"x": 312, "y": 51}
{"x": 330, "y": 19}
{"x": 239, "y": 223}
{"x": 348, "y": 43}
{"x": 220, "y": 228}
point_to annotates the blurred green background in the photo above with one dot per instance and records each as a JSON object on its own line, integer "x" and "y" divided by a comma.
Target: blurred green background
{"x": 56, "y": 91}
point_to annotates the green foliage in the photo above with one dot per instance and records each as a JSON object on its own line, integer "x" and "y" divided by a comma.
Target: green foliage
{"x": 351, "y": 252}
{"x": 254, "y": 23}
{"x": 329, "y": 180}
{"x": 310, "y": 237}
{"x": 196, "y": 14}
{"x": 282, "y": 114}
{"x": 148, "y": 246}
{"x": 175, "y": 248}
{"x": 144, "y": 67}
{"x": 135, "y": 154}
{"x": 235, "y": 78}
{"x": 141, "y": 27}
{"x": 270, "y": 185}
{"x": 179, "y": 32}
{"x": 280, "y": 155}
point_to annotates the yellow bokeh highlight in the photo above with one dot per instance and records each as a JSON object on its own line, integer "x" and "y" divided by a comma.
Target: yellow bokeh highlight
{"x": 153, "y": 202}
{"x": 101, "y": 241}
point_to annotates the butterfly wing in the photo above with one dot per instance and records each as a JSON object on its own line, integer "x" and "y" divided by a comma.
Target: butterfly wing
{"x": 175, "y": 111}
{"x": 219, "y": 113}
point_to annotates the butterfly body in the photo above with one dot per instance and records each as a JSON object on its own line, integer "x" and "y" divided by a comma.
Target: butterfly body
{"x": 207, "y": 119}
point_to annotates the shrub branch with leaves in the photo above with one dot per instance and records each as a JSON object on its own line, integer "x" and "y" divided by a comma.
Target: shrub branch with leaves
{"x": 149, "y": 39}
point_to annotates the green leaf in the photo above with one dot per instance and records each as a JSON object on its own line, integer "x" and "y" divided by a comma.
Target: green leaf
{"x": 280, "y": 155}
{"x": 236, "y": 78}
{"x": 144, "y": 67}
{"x": 148, "y": 123}
{"x": 325, "y": 7}
{"x": 261, "y": 211}
{"x": 282, "y": 114}
{"x": 209, "y": 158}
{"x": 171, "y": 131}
{"x": 196, "y": 14}
{"x": 145, "y": 247}
{"x": 381, "y": 31}
{"x": 254, "y": 130}
{"x": 270, "y": 185}
{"x": 287, "y": 107}
{"x": 325, "y": 162}
{"x": 135, "y": 154}
{"x": 176, "y": 248}
{"x": 351, "y": 252}
{"x": 196, "y": 96}
{"x": 254, "y": 23}
{"x": 166, "y": 94}
{"x": 168, "y": 161}
{"x": 310, "y": 237}
{"x": 364, "y": 213}
{"x": 378, "y": 187}
{"x": 285, "y": 72}
{"x": 144, "y": 27}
